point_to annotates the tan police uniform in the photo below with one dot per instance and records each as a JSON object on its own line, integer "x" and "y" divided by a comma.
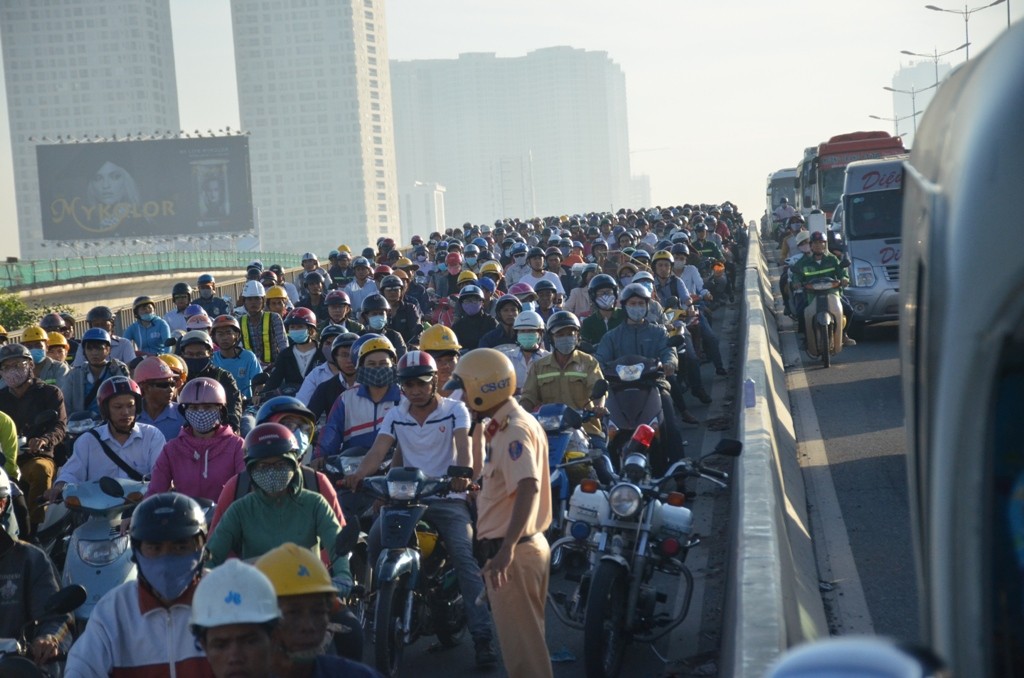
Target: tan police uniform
{"x": 517, "y": 448}
{"x": 547, "y": 382}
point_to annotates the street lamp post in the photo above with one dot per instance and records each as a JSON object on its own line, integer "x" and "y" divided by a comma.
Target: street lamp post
{"x": 913, "y": 92}
{"x": 935, "y": 56}
{"x": 966, "y": 14}
{"x": 896, "y": 121}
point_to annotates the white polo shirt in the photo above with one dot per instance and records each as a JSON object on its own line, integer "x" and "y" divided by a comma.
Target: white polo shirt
{"x": 430, "y": 447}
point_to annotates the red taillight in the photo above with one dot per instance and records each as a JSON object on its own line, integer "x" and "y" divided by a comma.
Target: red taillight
{"x": 670, "y": 547}
{"x": 588, "y": 485}
{"x": 643, "y": 435}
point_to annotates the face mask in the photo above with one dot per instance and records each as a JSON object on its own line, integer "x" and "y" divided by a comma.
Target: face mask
{"x": 565, "y": 345}
{"x": 15, "y": 376}
{"x": 565, "y": 251}
{"x": 299, "y": 336}
{"x": 169, "y": 575}
{"x": 648, "y": 285}
{"x": 206, "y": 293}
{"x": 636, "y": 313}
{"x": 147, "y": 317}
{"x": 520, "y": 259}
{"x": 375, "y": 376}
{"x": 678, "y": 266}
{"x": 37, "y": 354}
{"x": 196, "y": 365}
{"x": 302, "y": 439}
{"x": 529, "y": 306}
{"x": 454, "y": 270}
{"x": 421, "y": 257}
{"x": 273, "y": 480}
{"x": 471, "y": 307}
{"x": 803, "y": 247}
{"x": 377, "y": 322}
{"x": 605, "y": 302}
{"x": 625, "y": 281}
{"x": 528, "y": 341}
{"x": 202, "y": 421}
{"x": 471, "y": 261}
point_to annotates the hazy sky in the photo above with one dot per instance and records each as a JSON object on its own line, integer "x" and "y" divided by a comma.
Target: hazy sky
{"x": 721, "y": 92}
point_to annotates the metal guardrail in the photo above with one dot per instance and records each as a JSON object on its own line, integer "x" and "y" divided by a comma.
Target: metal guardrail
{"x": 20, "y": 274}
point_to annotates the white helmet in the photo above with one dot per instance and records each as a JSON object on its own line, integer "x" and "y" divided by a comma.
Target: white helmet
{"x": 234, "y": 593}
{"x": 528, "y": 320}
{"x": 254, "y": 288}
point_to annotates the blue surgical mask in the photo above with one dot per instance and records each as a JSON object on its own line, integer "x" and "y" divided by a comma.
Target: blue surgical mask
{"x": 472, "y": 307}
{"x": 378, "y": 322}
{"x": 528, "y": 340}
{"x": 299, "y": 336}
{"x": 169, "y": 575}
{"x": 37, "y": 354}
{"x": 302, "y": 439}
{"x": 470, "y": 261}
{"x": 565, "y": 345}
{"x": 147, "y": 317}
{"x": 636, "y": 313}
{"x": 529, "y": 306}
{"x": 520, "y": 259}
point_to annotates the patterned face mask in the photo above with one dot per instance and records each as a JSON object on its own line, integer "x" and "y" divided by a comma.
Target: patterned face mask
{"x": 202, "y": 421}
{"x": 375, "y": 376}
{"x": 636, "y": 313}
{"x": 605, "y": 301}
{"x": 273, "y": 480}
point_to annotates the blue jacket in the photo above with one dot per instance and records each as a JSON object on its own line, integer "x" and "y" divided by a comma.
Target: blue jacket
{"x": 650, "y": 341}
{"x": 150, "y": 340}
{"x": 355, "y": 419}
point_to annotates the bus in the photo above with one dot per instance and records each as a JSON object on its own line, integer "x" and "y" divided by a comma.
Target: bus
{"x": 781, "y": 184}
{"x": 822, "y": 170}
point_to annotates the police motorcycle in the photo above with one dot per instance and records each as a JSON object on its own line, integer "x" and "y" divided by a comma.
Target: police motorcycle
{"x": 14, "y": 652}
{"x": 99, "y": 556}
{"x": 416, "y": 592}
{"x": 632, "y": 528}
{"x": 569, "y": 453}
{"x": 823, "y": 320}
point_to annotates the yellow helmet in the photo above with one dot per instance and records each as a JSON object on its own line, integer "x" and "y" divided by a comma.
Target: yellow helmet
{"x": 276, "y": 292}
{"x": 295, "y": 571}
{"x": 661, "y": 255}
{"x": 403, "y": 262}
{"x": 33, "y": 333}
{"x": 3, "y": 331}
{"x": 491, "y": 267}
{"x": 376, "y": 344}
{"x": 344, "y": 248}
{"x": 439, "y": 338}
{"x": 465, "y": 277}
{"x": 177, "y": 365}
{"x": 56, "y": 339}
{"x": 487, "y": 377}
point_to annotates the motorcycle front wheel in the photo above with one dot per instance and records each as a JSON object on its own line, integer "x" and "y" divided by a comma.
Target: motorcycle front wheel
{"x": 388, "y": 636}
{"x": 604, "y": 625}
{"x": 825, "y": 345}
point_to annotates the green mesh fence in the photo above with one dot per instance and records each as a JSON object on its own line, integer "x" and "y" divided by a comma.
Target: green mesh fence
{"x": 27, "y": 273}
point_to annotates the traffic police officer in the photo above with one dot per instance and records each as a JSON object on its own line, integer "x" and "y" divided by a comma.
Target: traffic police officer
{"x": 514, "y": 509}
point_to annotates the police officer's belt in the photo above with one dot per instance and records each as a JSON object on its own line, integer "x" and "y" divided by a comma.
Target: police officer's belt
{"x": 488, "y": 548}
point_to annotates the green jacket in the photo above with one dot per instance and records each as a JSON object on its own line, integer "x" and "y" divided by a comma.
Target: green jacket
{"x": 808, "y": 269}
{"x": 594, "y": 325}
{"x": 255, "y": 524}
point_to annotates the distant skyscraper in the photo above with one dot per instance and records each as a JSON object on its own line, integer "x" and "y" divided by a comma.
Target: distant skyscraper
{"x": 540, "y": 134}
{"x": 423, "y": 205}
{"x": 917, "y": 78}
{"x": 81, "y": 67}
{"x": 314, "y": 91}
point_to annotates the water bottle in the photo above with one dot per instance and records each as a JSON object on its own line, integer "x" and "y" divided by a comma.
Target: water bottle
{"x": 749, "y": 397}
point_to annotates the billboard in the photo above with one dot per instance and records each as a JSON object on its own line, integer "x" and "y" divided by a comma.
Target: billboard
{"x": 145, "y": 189}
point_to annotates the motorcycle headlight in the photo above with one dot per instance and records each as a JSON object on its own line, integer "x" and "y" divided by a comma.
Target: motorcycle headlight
{"x": 98, "y": 553}
{"x": 550, "y": 422}
{"x": 350, "y": 465}
{"x": 629, "y": 372}
{"x": 402, "y": 489}
{"x": 624, "y": 500}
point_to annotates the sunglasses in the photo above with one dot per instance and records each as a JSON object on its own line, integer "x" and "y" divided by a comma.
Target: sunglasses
{"x": 160, "y": 384}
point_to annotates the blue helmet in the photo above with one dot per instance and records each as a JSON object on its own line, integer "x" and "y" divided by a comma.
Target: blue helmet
{"x": 96, "y": 334}
{"x": 519, "y": 248}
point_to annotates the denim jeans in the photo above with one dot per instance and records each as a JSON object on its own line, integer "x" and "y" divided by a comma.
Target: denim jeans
{"x": 710, "y": 342}
{"x": 452, "y": 520}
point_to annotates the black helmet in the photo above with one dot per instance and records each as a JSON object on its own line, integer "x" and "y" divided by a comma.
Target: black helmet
{"x": 601, "y": 281}
{"x": 344, "y": 340}
{"x": 544, "y": 285}
{"x": 52, "y": 322}
{"x": 389, "y": 282}
{"x": 168, "y": 516}
{"x": 181, "y": 288}
{"x": 534, "y": 252}
{"x": 312, "y": 277}
{"x": 375, "y": 302}
{"x": 560, "y": 320}
{"x": 681, "y": 248}
{"x": 329, "y": 332}
{"x": 270, "y": 440}
{"x": 282, "y": 405}
{"x": 99, "y": 313}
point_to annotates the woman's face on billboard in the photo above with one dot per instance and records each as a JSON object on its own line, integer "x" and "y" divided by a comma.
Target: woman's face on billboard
{"x": 109, "y": 183}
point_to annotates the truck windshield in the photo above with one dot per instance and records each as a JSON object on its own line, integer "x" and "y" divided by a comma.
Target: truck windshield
{"x": 832, "y": 187}
{"x": 874, "y": 215}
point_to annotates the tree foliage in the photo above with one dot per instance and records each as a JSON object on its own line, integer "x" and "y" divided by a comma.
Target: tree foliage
{"x": 16, "y": 314}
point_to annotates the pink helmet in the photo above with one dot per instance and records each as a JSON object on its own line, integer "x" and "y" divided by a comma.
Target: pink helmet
{"x": 153, "y": 369}
{"x": 199, "y": 321}
{"x": 203, "y": 391}
{"x": 521, "y": 290}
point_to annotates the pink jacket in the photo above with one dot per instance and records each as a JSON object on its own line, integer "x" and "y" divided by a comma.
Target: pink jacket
{"x": 198, "y": 467}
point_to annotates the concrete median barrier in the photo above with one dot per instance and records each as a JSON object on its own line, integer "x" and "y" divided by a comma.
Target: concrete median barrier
{"x": 772, "y": 601}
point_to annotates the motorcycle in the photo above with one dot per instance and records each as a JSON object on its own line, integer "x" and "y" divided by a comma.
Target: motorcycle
{"x": 99, "y": 557}
{"x": 644, "y": 528}
{"x": 634, "y": 399}
{"x": 823, "y": 320}
{"x": 14, "y": 659}
{"x": 567, "y": 442}
{"x": 417, "y": 590}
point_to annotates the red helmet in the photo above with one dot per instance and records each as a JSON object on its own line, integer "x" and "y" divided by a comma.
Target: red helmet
{"x": 301, "y": 315}
{"x": 338, "y": 297}
{"x": 453, "y": 259}
{"x": 203, "y": 391}
{"x": 382, "y": 270}
{"x": 153, "y": 369}
{"x": 226, "y": 321}
{"x": 417, "y": 364}
{"x": 115, "y": 386}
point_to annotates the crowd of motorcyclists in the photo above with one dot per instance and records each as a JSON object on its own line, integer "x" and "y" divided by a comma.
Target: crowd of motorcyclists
{"x": 231, "y": 408}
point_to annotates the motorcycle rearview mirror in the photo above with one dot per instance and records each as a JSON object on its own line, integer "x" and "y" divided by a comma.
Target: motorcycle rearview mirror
{"x": 45, "y": 417}
{"x": 728, "y": 447}
{"x": 600, "y": 389}
{"x": 260, "y": 379}
{"x": 671, "y": 302}
{"x": 111, "y": 487}
{"x": 68, "y": 599}
{"x": 171, "y": 342}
